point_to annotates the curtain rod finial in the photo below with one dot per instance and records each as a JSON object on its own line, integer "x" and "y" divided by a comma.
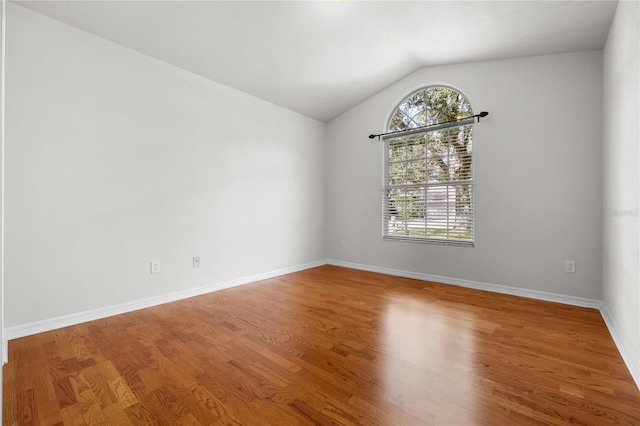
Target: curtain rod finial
{"x": 372, "y": 136}
{"x": 481, "y": 115}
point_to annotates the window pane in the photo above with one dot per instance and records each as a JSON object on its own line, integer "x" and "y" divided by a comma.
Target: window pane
{"x": 410, "y": 114}
{"x": 396, "y": 150}
{"x": 437, "y": 169}
{"x": 416, "y": 147}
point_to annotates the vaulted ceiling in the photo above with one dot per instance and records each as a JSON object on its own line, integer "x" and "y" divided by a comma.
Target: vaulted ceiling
{"x": 321, "y": 58}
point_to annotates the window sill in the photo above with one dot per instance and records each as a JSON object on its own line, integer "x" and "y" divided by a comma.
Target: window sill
{"x": 431, "y": 241}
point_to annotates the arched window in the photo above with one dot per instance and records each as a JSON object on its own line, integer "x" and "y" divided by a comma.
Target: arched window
{"x": 428, "y": 169}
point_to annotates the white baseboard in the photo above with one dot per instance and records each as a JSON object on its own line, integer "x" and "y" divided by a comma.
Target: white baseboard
{"x": 94, "y": 314}
{"x": 630, "y": 358}
{"x": 495, "y": 288}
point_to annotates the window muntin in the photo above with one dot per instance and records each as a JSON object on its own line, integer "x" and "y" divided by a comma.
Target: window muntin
{"x": 428, "y": 175}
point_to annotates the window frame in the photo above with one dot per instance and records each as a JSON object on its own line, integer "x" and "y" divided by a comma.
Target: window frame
{"x": 425, "y": 184}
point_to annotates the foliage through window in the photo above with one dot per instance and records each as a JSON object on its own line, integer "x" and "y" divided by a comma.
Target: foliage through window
{"x": 428, "y": 172}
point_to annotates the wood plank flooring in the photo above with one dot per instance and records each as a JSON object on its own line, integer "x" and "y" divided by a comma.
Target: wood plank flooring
{"x": 327, "y": 346}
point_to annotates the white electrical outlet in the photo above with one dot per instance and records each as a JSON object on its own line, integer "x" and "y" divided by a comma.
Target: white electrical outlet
{"x": 155, "y": 266}
{"x": 196, "y": 261}
{"x": 341, "y": 243}
{"x": 570, "y": 266}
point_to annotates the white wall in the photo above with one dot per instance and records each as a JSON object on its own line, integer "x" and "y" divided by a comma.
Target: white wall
{"x": 115, "y": 159}
{"x": 2, "y": 51}
{"x": 538, "y": 176}
{"x": 621, "y": 158}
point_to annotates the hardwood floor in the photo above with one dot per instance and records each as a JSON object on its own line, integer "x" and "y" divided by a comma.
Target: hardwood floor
{"x": 327, "y": 346}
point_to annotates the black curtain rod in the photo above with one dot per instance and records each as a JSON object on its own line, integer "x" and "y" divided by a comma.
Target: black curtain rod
{"x": 478, "y": 116}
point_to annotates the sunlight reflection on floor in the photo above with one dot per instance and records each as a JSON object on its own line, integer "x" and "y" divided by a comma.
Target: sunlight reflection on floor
{"x": 428, "y": 362}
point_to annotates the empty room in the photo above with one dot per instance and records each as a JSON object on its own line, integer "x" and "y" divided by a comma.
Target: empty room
{"x": 320, "y": 212}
